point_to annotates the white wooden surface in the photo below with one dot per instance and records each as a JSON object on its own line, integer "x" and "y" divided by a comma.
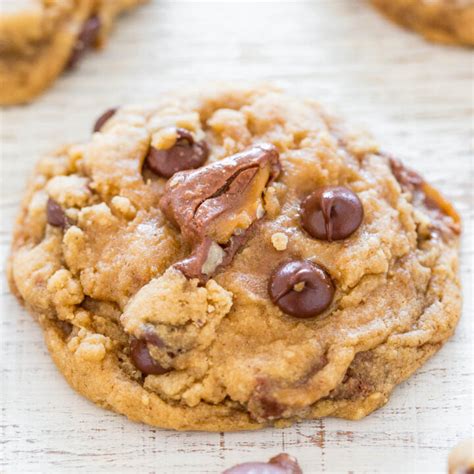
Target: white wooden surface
{"x": 416, "y": 97}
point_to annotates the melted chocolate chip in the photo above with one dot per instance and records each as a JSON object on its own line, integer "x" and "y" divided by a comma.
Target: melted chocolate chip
{"x": 143, "y": 360}
{"x": 185, "y": 154}
{"x": 301, "y": 289}
{"x": 407, "y": 177}
{"x": 331, "y": 213}
{"x": 100, "y": 122}
{"x": 55, "y": 214}
{"x": 270, "y": 408}
{"x": 86, "y": 39}
{"x": 445, "y": 220}
{"x": 216, "y": 206}
{"x": 281, "y": 464}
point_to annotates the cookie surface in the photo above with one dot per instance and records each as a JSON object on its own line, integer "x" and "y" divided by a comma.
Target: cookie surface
{"x": 235, "y": 259}
{"x": 41, "y": 38}
{"x": 444, "y": 21}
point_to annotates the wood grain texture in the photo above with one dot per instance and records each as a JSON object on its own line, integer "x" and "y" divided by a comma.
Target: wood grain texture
{"x": 416, "y": 97}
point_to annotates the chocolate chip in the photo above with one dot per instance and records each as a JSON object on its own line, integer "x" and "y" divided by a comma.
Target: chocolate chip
{"x": 85, "y": 40}
{"x": 100, "y": 122}
{"x": 331, "y": 213}
{"x": 280, "y": 464}
{"x": 185, "y": 154}
{"x": 55, "y": 214}
{"x": 301, "y": 288}
{"x": 143, "y": 360}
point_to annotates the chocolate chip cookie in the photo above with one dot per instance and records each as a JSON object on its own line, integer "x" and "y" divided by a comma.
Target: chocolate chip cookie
{"x": 233, "y": 259}
{"x": 41, "y": 38}
{"x": 444, "y": 21}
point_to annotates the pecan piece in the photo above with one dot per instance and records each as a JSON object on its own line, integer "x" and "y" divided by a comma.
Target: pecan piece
{"x": 214, "y": 206}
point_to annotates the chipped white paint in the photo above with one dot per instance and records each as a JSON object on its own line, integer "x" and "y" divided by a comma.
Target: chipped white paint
{"x": 418, "y": 100}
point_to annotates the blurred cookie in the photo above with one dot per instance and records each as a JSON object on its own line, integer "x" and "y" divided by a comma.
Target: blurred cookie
{"x": 41, "y": 38}
{"x": 461, "y": 458}
{"x": 444, "y": 21}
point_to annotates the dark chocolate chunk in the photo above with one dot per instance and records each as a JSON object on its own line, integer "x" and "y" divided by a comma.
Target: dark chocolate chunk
{"x": 185, "y": 154}
{"x": 143, "y": 360}
{"x": 216, "y": 205}
{"x": 301, "y": 288}
{"x": 100, "y": 122}
{"x": 331, "y": 213}
{"x": 85, "y": 40}
{"x": 55, "y": 214}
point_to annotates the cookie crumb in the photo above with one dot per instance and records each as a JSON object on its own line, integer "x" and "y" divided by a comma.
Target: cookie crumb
{"x": 280, "y": 241}
{"x": 124, "y": 207}
{"x": 89, "y": 347}
{"x": 164, "y": 139}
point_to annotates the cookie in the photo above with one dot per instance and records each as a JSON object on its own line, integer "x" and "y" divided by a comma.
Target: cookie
{"x": 280, "y": 464}
{"x": 444, "y": 21}
{"x": 233, "y": 259}
{"x": 39, "y": 39}
{"x": 461, "y": 458}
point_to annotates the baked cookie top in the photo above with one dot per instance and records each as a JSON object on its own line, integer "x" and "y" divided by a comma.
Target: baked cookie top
{"x": 234, "y": 258}
{"x": 444, "y": 21}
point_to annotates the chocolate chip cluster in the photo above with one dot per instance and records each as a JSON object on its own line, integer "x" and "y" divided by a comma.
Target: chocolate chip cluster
{"x": 215, "y": 206}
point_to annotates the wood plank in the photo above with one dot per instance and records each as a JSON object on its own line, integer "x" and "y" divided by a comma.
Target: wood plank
{"x": 416, "y": 97}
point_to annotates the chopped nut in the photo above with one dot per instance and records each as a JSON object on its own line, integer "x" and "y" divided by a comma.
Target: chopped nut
{"x": 280, "y": 241}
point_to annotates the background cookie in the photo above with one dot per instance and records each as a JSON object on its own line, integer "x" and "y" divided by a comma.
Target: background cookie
{"x": 445, "y": 21}
{"x": 41, "y": 38}
{"x": 212, "y": 300}
{"x": 461, "y": 458}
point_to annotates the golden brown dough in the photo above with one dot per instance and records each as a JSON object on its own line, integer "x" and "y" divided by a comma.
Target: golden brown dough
{"x": 97, "y": 261}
